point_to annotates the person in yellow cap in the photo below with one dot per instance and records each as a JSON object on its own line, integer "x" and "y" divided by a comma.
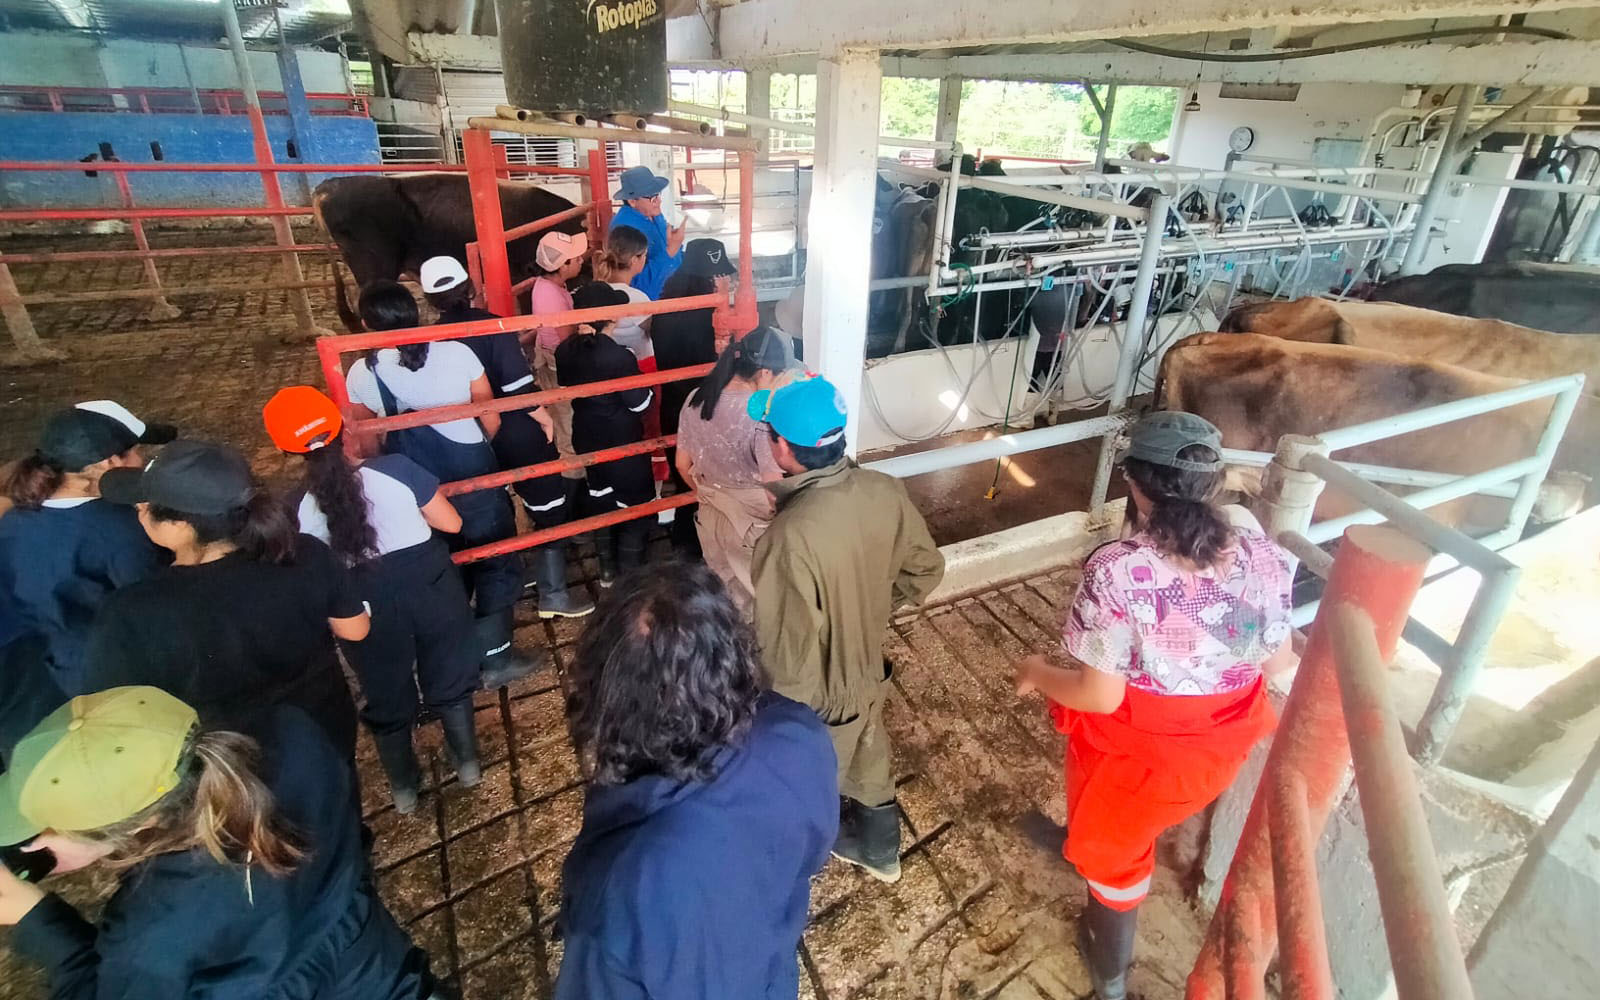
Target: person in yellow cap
{"x": 242, "y": 874}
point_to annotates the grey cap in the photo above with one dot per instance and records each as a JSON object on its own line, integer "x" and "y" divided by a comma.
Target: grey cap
{"x": 1158, "y": 438}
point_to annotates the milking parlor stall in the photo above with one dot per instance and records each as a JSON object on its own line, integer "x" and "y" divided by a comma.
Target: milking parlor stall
{"x": 1360, "y": 237}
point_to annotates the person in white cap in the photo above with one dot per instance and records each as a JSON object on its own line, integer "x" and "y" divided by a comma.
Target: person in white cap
{"x": 62, "y": 551}
{"x": 526, "y": 437}
{"x": 559, "y": 259}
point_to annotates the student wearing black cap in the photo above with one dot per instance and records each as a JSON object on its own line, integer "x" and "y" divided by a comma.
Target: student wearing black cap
{"x": 425, "y": 376}
{"x": 609, "y": 421}
{"x": 525, "y": 437}
{"x": 62, "y": 550}
{"x": 245, "y": 617}
{"x": 684, "y": 339}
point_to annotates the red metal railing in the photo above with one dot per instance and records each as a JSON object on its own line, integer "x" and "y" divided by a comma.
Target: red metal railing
{"x": 169, "y": 100}
{"x": 1338, "y": 708}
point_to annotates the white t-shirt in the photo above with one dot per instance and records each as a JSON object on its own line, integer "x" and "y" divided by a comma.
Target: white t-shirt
{"x": 396, "y": 489}
{"x": 629, "y": 330}
{"x": 445, "y": 379}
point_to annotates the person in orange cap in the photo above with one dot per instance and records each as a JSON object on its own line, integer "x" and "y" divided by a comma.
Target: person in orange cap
{"x": 379, "y": 519}
{"x": 1164, "y": 696}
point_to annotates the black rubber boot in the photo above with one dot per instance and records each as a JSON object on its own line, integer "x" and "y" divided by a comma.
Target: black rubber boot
{"x": 550, "y": 572}
{"x": 502, "y": 663}
{"x": 399, "y": 763}
{"x": 461, "y": 737}
{"x": 633, "y": 538}
{"x": 869, "y": 837}
{"x": 1105, "y": 937}
{"x": 605, "y": 553}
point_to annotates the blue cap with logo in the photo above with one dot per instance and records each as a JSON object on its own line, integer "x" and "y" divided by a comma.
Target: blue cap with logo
{"x": 809, "y": 412}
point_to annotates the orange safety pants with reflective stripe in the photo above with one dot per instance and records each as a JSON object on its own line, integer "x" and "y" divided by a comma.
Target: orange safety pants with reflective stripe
{"x": 1151, "y": 764}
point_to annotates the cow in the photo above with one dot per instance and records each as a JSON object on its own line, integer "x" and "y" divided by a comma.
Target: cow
{"x": 387, "y": 226}
{"x": 1561, "y": 298}
{"x": 1257, "y": 389}
{"x": 1490, "y": 346}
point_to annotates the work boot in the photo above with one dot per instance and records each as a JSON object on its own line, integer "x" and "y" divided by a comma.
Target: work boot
{"x": 605, "y": 555}
{"x": 550, "y": 572}
{"x": 502, "y": 662}
{"x": 632, "y": 540}
{"x": 461, "y": 737}
{"x": 869, "y": 837}
{"x": 399, "y": 762}
{"x": 1105, "y": 937}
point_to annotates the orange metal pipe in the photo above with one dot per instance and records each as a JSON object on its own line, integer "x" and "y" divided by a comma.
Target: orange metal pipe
{"x": 1378, "y": 570}
{"x": 1303, "y": 962}
{"x": 71, "y": 256}
{"x": 112, "y": 294}
{"x": 489, "y": 224}
{"x": 534, "y": 538}
{"x": 508, "y": 476}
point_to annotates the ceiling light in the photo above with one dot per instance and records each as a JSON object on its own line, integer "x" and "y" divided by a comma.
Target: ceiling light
{"x": 1194, "y": 101}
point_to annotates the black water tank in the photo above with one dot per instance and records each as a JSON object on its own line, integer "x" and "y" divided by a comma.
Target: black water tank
{"x": 592, "y": 56}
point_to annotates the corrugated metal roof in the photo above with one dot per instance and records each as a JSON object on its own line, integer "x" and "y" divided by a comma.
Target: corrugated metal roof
{"x": 303, "y": 20}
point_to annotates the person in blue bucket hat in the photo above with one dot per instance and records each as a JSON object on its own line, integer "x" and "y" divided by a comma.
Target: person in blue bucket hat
{"x": 845, "y": 549}
{"x": 641, "y": 192}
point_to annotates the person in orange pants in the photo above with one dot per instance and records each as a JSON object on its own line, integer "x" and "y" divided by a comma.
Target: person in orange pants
{"x": 1164, "y": 695}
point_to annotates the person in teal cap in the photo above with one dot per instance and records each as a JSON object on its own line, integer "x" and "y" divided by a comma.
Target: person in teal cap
{"x": 845, "y": 549}
{"x": 641, "y": 191}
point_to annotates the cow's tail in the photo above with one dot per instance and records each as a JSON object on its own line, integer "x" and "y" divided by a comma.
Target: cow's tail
{"x": 317, "y": 198}
{"x": 347, "y": 315}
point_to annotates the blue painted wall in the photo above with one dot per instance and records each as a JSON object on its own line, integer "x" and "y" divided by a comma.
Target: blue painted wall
{"x": 26, "y": 135}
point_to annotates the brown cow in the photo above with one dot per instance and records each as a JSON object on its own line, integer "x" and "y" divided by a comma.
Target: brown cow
{"x": 1257, "y": 388}
{"x": 1490, "y": 346}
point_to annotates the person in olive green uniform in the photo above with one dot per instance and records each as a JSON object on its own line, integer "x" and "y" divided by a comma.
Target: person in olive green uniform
{"x": 846, "y": 548}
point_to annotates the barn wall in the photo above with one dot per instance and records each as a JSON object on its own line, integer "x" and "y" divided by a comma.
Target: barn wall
{"x": 1283, "y": 128}
{"x": 46, "y": 59}
{"x": 183, "y": 138}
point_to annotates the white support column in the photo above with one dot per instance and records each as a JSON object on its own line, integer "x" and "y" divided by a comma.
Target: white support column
{"x": 839, "y": 255}
{"x": 758, "y": 104}
{"x": 944, "y": 127}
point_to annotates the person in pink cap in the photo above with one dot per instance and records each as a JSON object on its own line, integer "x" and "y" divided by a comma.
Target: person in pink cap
{"x": 559, "y": 259}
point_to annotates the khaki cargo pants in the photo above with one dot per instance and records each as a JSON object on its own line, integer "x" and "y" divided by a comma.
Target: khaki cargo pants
{"x": 866, "y": 773}
{"x": 544, "y": 373}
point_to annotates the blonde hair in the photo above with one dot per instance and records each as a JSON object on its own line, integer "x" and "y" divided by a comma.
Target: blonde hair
{"x": 220, "y": 804}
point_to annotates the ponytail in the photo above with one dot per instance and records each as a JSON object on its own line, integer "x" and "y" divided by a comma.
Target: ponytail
{"x": 744, "y": 358}
{"x": 32, "y": 481}
{"x": 1182, "y": 521}
{"x": 388, "y": 305}
{"x": 336, "y": 486}
{"x": 220, "y": 805}
{"x": 261, "y": 529}
{"x": 622, "y": 246}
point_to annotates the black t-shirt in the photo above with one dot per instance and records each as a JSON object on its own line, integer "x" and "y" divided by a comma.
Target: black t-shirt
{"x": 681, "y": 340}
{"x": 610, "y": 419}
{"x": 234, "y": 637}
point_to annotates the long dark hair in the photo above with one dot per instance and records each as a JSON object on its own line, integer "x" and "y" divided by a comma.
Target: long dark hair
{"x": 33, "y": 480}
{"x": 260, "y": 530}
{"x": 388, "y": 305}
{"x": 1182, "y": 521}
{"x": 336, "y": 485}
{"x": 451, "y": 299}
{"x": 666, "y": 673}
{"x": 745, "y": 358}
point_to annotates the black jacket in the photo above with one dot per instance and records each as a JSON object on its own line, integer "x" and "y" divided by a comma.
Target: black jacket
{"x": 608, "y": 420}
{"x": 681, "y": 340}
{"x": 184, "y": 926}
{"x": 699, "y": 891}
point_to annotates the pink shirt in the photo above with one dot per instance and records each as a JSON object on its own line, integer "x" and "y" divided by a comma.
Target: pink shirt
{"x": 551, "y": 296}
{"x": 1169, "y": 631}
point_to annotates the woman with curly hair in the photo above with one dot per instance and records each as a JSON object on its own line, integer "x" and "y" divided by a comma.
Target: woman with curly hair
{"x": 710, "y": 803}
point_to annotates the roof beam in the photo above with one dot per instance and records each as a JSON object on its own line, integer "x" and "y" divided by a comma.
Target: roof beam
{"x": 766, "y": 28}
{"x": 1532, "y": 64}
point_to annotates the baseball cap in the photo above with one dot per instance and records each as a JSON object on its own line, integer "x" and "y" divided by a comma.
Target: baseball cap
{"x": 555, "y": 249}
{"x": 707, "y": 257}
{"x": 598, "y": 295}
{"x": 1158, "y": 438}
{"x": 640, "y": 182}
{"x": 97, "y": 760}
{"x": 808, "y": 412}
{"x": 193, "y": 477}
{"x": 95, "y": 431}
{"x": 300, "y": 418}
{"x": 440, "y": 274}
{"x": 767, "y": 348}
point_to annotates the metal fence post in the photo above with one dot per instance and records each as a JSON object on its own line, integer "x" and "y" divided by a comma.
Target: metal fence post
{"x": 1449, "y": 159}
{"x": 489, "y": 223}
{"x": 1132, "y": 352}
{"x": 1378, "y": 570}
{"x": 160, "y": 309}
{"x": 30, "y": 349}
{"x": 1288, "y": 492}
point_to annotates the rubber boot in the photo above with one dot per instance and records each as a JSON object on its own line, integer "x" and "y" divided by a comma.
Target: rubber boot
{"x": 461, "y": 737}
{"x": 550, "y": 572}
{"x": 869, "y": 837}
{"x": 1105, "y": 937}
{"x": 633, "y": 537}
{"x": 502, "y": 663}
{"x": 605, "y": 553}
{"x": 399, "y": 762}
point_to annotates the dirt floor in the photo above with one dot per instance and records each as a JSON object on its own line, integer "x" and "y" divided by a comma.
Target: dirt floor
{"x": 986, "y": 907}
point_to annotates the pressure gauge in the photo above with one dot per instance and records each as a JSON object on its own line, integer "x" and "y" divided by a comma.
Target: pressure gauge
{"x": 1241, "y": 138}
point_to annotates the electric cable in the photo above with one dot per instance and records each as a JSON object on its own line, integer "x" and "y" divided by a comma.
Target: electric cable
{"x": 1328, "y": 50}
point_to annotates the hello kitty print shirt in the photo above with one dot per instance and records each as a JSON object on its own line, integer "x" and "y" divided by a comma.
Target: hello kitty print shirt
{"x": 1171, "y": 631}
